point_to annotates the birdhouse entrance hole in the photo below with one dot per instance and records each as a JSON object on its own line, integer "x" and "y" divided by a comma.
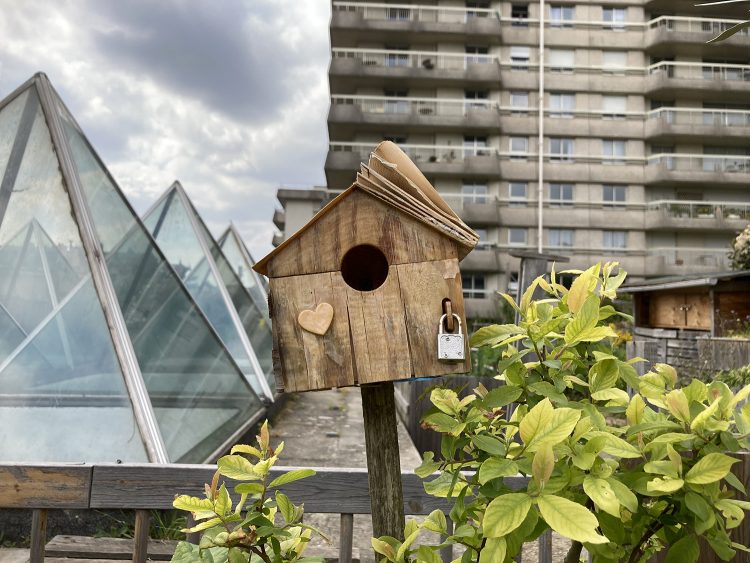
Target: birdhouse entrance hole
{"x": 364, "y": 267}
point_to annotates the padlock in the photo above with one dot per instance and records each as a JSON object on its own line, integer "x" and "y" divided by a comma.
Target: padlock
{"x": 450, "y": 346}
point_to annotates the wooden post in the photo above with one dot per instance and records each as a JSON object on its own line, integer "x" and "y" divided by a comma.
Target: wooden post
{"x": 383, "y": 461}
{"x": 38, "y": 535}
{"x": 346, "y": 538}
{"x": 192, "y": 537}
{"x": 140, "y": 539}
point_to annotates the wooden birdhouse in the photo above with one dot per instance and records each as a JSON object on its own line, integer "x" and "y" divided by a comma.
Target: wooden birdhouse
{"x": 357, "y": 295}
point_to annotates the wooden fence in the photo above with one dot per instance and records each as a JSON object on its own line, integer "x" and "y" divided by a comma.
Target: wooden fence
{"x": 145, "y": 487}
{"x": 723, "y": 353}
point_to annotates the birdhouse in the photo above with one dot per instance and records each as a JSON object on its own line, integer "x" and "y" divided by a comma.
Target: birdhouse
{"x": 369, "y": 290}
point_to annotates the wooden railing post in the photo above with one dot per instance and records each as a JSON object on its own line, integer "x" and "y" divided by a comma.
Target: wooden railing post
{"x": 346, "y": 538}
{"x": 38, "y": 535}
{"x": 140, "y": 538}
{"x": 446, "y": 554}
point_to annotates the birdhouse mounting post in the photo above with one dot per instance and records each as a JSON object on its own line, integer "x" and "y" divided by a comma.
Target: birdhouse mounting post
{"x": 383, "y": 461}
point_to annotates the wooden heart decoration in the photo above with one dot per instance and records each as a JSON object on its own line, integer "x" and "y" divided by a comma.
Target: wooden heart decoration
{"x": 316, "y": 321}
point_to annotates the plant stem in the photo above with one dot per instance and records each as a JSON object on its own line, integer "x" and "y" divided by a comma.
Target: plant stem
{"x": 654, "y": 527}
{"x": 261, "y": 553}
{"x": 574, "y": 553}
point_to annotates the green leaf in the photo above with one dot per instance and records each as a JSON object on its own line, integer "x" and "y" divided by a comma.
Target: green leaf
{"x": 543, "y": 464}
{"x": 383, "y": 548}
{"x": 425, "y": 554}
{"x": 223, "y": 502}
{"x": 684, "y": 550}
{"x": 678, "y": 405}
{"x": 601, "y": 492}
{"x": 494, "y": 550}
{"x": 436, "y": 522}
{"x": 186, "y": 552}
{"x": 200, "y": 507}
{"x": 570, "y": 519}
{"x": 494, "y": 468}
{"x": 584, "y": 320}
{"x": 618, "y": 447}
{"x": 489, "y": 444}
{"x": 699, "y": 422}
{"x": 635, "y": 410}
{"x": 618, "y": 396}
{"x": 249, "y": 488}
{"x": 239, "y": 468}
{"x": 493, "y": 334}
{"x": 580, "y": 291}
{"x": 501, "y": 396}
{"x": 236, "y": 555}
{"x": 603, "y": 375}
{"x": 428, "y": 466}
{"x": 710, "y": 469}
{"x": 204, "y": 525}
{"x": 245, "y": 449}
{"x": 664, "y": 485}
{"x": 285, "y": 506}
{"x": 291, "y": 476}
{"x": 544, "y": 423}
{"x": 626, "y": 497}
{"x": 698, "y": 505}
{"x": 505, "y": 513}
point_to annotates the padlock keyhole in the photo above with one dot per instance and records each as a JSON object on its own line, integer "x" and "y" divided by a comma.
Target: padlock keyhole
{"x": 364, "y": 267}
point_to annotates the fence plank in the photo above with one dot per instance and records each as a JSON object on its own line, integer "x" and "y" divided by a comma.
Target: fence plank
{"x": 140, "y": 538}
{"x": 38, "y": 535}
{"x": 44, "y": 486}
{"x": 545, "y": 547}
{"x": 446, "y": 554}
{"x": 346, "y": 538}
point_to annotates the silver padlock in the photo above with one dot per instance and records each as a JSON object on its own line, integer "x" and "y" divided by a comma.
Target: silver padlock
{"x": 450, "y": 346}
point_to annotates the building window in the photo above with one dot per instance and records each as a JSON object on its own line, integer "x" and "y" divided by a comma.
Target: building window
{"x": 398, "y": 139}
{"x": 475, "y": 146}
{"x": 613, "y": 151}
{"x": 519, "y": 148}
{"x": 519, "y": 102}
{"x": 560, "y": 194}
{"x": 560, "y": 238}
{"x": 519, "y": 58}
{"x": 517, "y": 194}
{"x": 613, "y": 195}
{"x": 397, "y": 59}
{"x": 481, "y": 4}
{"x": 513, "y": 283}
{"x": 473, "y": 285}
{"x": 562, "y": 60}
{"x": 560, "y": 16}
{"x": 562, "y": 105}
{"x": 480, "y": 97}
{"x": 614, "y": 107}
{"x": 561, "y": 149}
{"x": 483, "y": 237}
{"x": 519, "y": 13}
{"x": 614, "y": 240}
{"x": 398, "y": 14}
{"x": 397, "y": 105}
{"x": 476, "y": 54}
{"x": 516, "y": 237}
{"x": 614, "y": 62}
{"x": 614, "y": 18}
{"x": 474, "y": 193}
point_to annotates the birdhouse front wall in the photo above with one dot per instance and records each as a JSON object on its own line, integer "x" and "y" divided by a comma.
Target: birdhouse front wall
{"x": 387, "y": 334}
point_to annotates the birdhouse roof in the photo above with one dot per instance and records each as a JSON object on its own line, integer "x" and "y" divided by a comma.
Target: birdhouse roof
{"x": 391, "y": 177}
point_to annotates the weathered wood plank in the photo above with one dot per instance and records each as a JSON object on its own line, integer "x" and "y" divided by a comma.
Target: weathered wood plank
{"x": 424, "y": 285}
{"x": 378, "y": 331}
{"x": 330, "y": 491}
{"x": 44, "y": 486}
{"x": 654, "y": 332}
{"x": 38, "y": 535}
{"x": 346, "y": 538}
{"x": 358, "y": 219}
{"x": 140, "y": 537}
{"x": 83, "y": 547}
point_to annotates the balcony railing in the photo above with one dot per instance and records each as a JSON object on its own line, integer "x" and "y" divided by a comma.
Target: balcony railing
{"x": 479, "y": 293}
{"x": 701, "y": 71}
{"x": 730, "y": 164}
{"x": 414, "y": 12}
{"x": 413, "y": 59}
{"x": 691, "y": 257}
{"x": 678, "y": 209}
{"x": 701, "y": 117}
{"x": 420, "y": 153}
{"x": 414, "y": 106}
{"x": 682, "y": 24}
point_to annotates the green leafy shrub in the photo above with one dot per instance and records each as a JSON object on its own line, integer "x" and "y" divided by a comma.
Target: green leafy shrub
{"x": 623, "y": 476}
{"x": 262, "y": 527}
{"x": 738, "y": 377}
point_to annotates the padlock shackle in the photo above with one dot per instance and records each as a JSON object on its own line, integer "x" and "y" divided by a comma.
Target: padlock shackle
{"x": 443, "y": 323}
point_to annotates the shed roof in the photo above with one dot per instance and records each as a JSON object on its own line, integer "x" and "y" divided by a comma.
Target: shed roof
{"x": 680, "y": 282}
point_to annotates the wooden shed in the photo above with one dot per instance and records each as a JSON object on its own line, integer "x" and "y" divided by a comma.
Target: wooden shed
{"x": 672, "y": 313}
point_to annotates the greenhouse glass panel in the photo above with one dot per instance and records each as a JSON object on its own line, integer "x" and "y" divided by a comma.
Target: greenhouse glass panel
{"x": 242, "y": 262}
{"x": 193, "y": 254}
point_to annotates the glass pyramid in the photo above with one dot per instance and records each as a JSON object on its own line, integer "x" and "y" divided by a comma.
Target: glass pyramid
{"x": 104, "y": 355}
{"x": 196, "y": 257}
{"x": 242, "y": 263}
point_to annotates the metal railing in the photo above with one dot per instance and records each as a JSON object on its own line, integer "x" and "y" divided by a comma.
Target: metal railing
{"x": 691, "y": 257}
{"x": 414, "y": 12}
{"x": 420, "y": 153}
{"x": 457, "y": 201}
{"x": 429, "y": 60}
{"x": 708, "y": 26}
{"x": 701, "y": 209}
{"x": 701, "y": 117}
{"x": 682, "y": 70}
{"x": 730, "y": 164}
{"x": 414, "y": 106}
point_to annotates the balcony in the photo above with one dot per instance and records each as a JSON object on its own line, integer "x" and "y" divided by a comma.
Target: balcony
{"x": 686, "y": 123}
{"x": 697, "y": 215}
{"x": 433, "y": 160}
{"x": 355, "y": 19}
{"x": 524, "y": 76}
{"x": 350, "y": 67}
{"x": 689, "y": 34}
{"x": 474, "y": 209}
{"x": 697, "y": 168}
{"x": 355, "y": 113}
{"x": 572, "y": 214}
{"x": 482, "y": 259}
{"x": 573, "y": 168}
{"x": 279, "y": 219}
{"x": 685, "y": 79}
{"x": 277, "y": 239}
{"x": 481, "y": 303}
{"x": 685, "y": 260}
{"x": 632, "y": 260}
{"x": 567, "y": 33}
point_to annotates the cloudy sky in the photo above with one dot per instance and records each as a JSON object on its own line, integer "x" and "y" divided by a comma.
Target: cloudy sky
{"x": 230, "y": 97}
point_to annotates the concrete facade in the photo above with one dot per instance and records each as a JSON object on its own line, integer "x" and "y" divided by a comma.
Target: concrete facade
{"x": 643, "y": 146}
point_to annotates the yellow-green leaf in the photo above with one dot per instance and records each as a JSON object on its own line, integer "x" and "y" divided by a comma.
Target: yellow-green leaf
{"x": 664, "y": 485}
{"x": 494, "y": 468}
{"x": 544, "y": 423}
{"x": 285, "y": 506}
{"x": 684, "y": 550}
{"x": 580, "y": 290}
{"x": 677, "y": 404}
{"x": 505, "y": 513}
{"x": 570, "y": 519}
{"x": 237, "y": 467}
{"x": 626, "y": 497}
{"x": 635, "y": 410}
{"x": 618, "y": 447}
{"x": 584, "y": 320}
{"x": 543, "y": 464}
{"x": 245, "y": 449}
{"x": 600, "y": 491}
{"x": 493, "y": 551}
{"x": 700, "y": 420}
{"x": 710, "y": 469}
{"x": 200, "y": 507}
{"x": 290, "y": 476}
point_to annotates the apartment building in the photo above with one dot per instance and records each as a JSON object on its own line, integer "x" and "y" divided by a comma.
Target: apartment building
{"x": 597, "y": 130}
